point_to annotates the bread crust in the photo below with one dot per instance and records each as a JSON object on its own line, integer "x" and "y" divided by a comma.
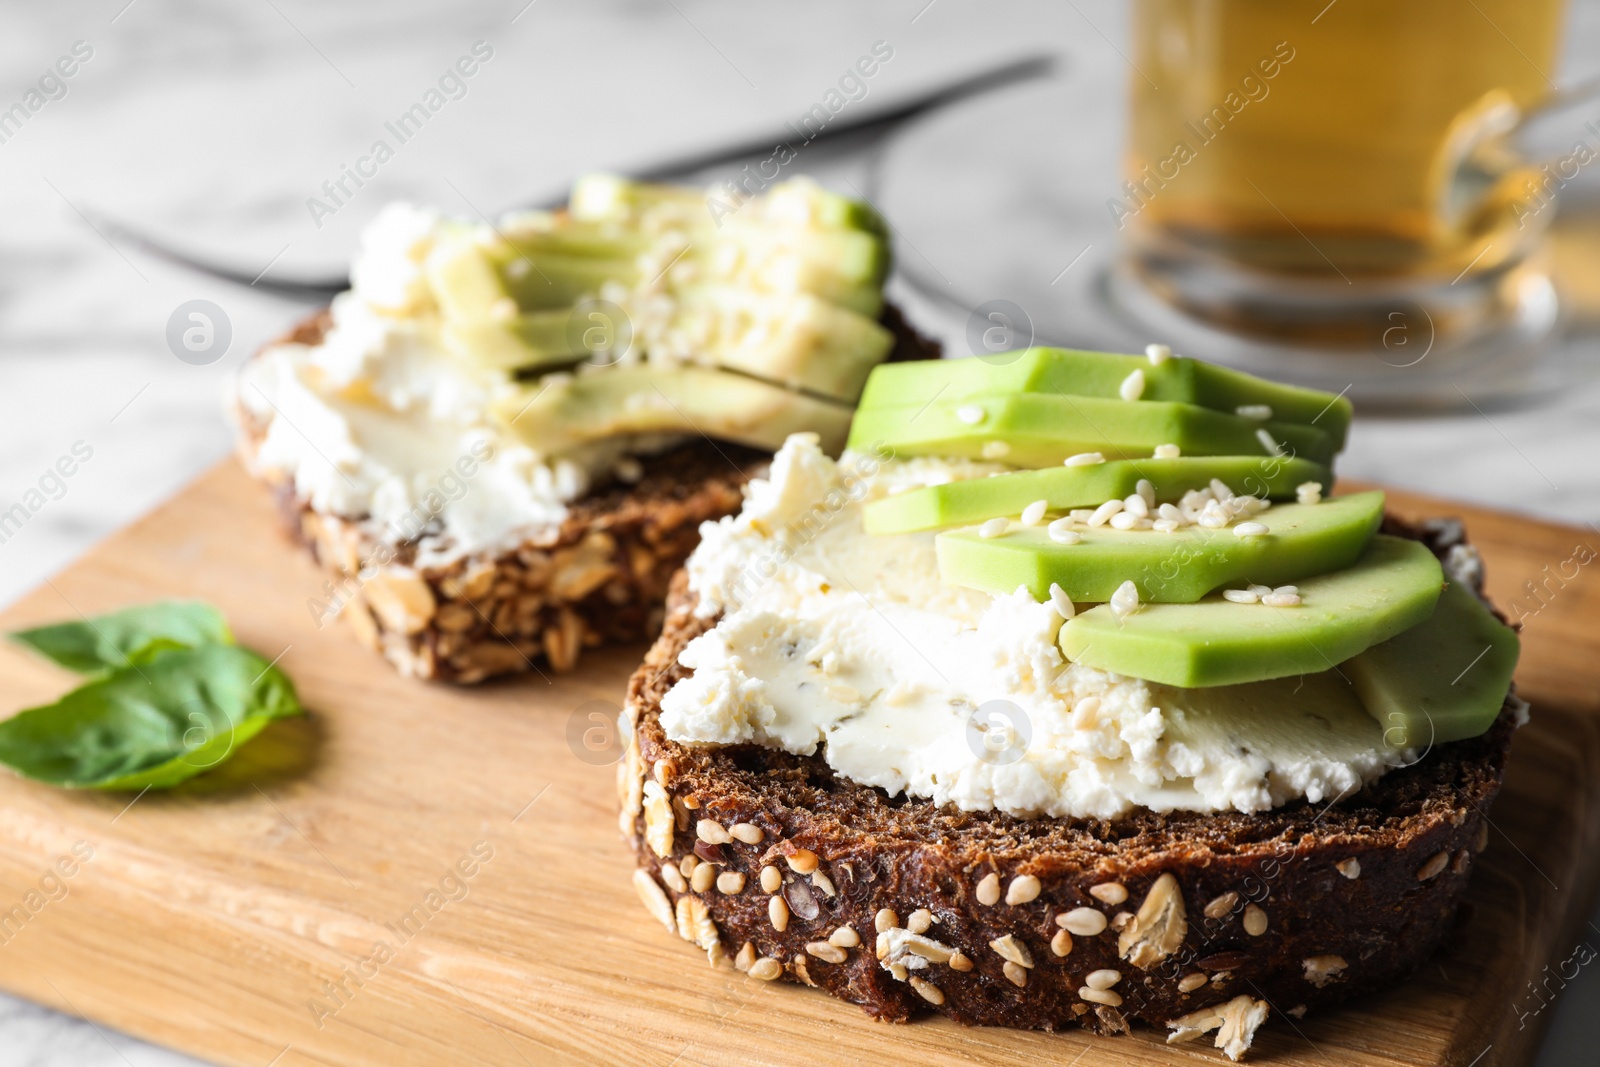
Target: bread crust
{"x": 1300, "y": 907}
{"x": 601, "y": 578}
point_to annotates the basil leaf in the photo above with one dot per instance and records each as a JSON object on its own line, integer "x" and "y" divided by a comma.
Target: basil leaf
{"x": 153, "y": 724}
{"x": 133, "y": 635}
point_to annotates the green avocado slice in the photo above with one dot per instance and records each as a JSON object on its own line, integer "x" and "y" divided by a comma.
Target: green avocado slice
{"x": 561, "y": 413}
{"x": 1101, "y": 374}
{"x": 1041, "y": 430}
{"x": 976, "y": 499}
{"x": 1442, "y": 680}
{"x": 1167, "y": 568}
{"x": 1391, "y": 588}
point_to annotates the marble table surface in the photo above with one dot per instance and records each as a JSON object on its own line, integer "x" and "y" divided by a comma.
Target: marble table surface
{"x": 213, "y": 124}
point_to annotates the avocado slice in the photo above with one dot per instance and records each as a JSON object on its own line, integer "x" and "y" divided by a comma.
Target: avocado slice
{"x": 1442, "y": 680}
{"x": 1042, "y": 429}
{"x": 1101, "y": 374}
{"x": 563, "y": 412}
{"x": 1169, "y": 568}
{"x": 1391, "y": 588}
{"x": 976, "y": 499}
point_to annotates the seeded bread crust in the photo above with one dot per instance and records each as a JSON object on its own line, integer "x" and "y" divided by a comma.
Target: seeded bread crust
{"x": 599, "y": 579}
{"x": 963, "y": 913}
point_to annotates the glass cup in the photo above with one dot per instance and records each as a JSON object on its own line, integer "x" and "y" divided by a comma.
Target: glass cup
{"x": 1316, "y": 175}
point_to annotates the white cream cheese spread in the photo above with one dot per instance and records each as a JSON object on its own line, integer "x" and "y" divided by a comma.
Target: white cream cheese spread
{"x": 831, "y": 639}
{"x": 379, "y": 423}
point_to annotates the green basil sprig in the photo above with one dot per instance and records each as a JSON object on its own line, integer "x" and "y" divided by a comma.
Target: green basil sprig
{"x": 169, "y": 696}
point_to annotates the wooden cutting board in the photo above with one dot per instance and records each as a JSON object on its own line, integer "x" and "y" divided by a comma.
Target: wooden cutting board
{"x": 219, "y": 918}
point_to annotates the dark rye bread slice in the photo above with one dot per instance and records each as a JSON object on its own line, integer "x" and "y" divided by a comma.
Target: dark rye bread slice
{"x": 600, "y": 578}
{"x": 1300, "y": 907}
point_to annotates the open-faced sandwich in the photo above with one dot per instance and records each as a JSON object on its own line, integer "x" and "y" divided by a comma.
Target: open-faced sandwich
{"x": 1069, "y": 695}
{"x": 502, "y": 441}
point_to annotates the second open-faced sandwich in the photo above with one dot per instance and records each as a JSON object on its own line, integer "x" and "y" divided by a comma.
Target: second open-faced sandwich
{"x": 1069, "y": 695}
{"x": 502, "y": 441}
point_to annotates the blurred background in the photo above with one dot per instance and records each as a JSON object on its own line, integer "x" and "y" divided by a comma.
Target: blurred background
{"x": 220, "y": 130}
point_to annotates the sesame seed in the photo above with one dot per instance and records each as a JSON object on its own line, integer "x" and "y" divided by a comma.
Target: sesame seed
{"x": 703, "y": 878}
{"x": 1009, "y": 948}
{"x": 1272, "y": 447}
{"x": 803, "y": 861}
{"x": 1061, "y": 944}
{"x": 1034, "y": 512}
{"x": 1016, "y": 974}
{"x": 746, "y": 957}
{"x": 687, "y": 865}
{"x": 766, "y": 969}
{"x": 1100, "y": 996}
{"x": 994, "y": 528}
{"x": 1061, "y": 602}
{"x": 996, "y": 450}
{"x": 674, "y": 879}
{"x": 1350, "y": 868}
{"x": 711, "y": 832}
{"x": 1165, "y": 526}
{"x": 1125, "y": 520}
{"x": 1110, "y": 892}
{"x": 1132, "y": 387}
{"x": 1292, "y": 589}
{"x": 1220, "y": 491}
{"x": 989, "y": 889}
{"x": 919, "y": 921}
{"x": 1167, "y": 452}
{"x": 1433, "y": 867}
{"x": 1157, "y": 354}
{"x": 845, "y": 937}
{"x": 1102, "y": 979}
{"x": 885, "y": 919}
{"x": 1253, "y": 411}
{"x": 730, "y": 882}
{"x": 1251, "y": 529}
{"x": 1136, "y": 505}
{"x": 1222, "y": 905}
{"x": 1281, "y": 600}
{"x": 1104, "y": 512}
{"x": 959, "y": 961}
{"x": 1146, "y": 491}
{"x": 1190, "y": 982}
{"x": 771, "y": 878}
{"x": 824, "y": 883}
{"x": 1085, "y": 922}
{"x": 778, "y": 913}
{"x": 971, "y": 414}
{"x": 749, "y": 833}
{"x": 1260, "y": 590}
{"x": 927, "y": 990}
{"x": 1308, "y": 493}
{"x": 1125, "y": 601}
{"x": 1061, "y": 532}
{"x": 1240, "y": 596}
{"x": 1083, "y": 459}
{"x": 1255, "y": 920}
{"x": 825, "y": 952}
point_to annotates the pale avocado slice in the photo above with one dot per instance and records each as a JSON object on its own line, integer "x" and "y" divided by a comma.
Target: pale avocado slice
{"x": 1390, "y": 589}
{"x": 798, "y": 201}
{"x": 1042, "y": 429}
{"x": 1170, "y": 568}
{"x": 976, "y": 499}
{"x": 1444, "y": 679}
{"x": 1101, "y": 374}
{"x": 796, "y": 340}
{"x": 556, "y": 416}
